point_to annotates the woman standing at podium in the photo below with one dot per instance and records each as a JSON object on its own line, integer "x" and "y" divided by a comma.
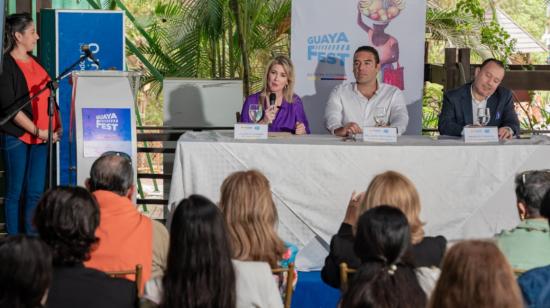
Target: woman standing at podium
{"x": 24, "y": 136}
{"x": 277, "y": 105}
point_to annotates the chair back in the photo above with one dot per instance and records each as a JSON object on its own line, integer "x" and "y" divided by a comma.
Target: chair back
{"x": 287, "y": 299}
{"x": 519, "y": 271}
{"x": 344, "y": 272}
{"x": 137, "y": 272}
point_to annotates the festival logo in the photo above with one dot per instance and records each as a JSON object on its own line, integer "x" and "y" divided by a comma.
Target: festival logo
{"x": 329, "y": 49}
{"x": 106, "y": 129}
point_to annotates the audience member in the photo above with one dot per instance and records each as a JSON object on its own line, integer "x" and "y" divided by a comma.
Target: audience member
{"x": 66, "y": 219}
{"x": 25, "y": 272}
{"x": 394, "y": 189}
{"x": 476, "y": 274}
{"x": 251, "y": 217}
{"x": 126, "y": 237}
{"x": 386, "y": 277}
{"x": 200, "y": 272}
{"x": 528, "y": 245}
{"x": 535, "y": 284}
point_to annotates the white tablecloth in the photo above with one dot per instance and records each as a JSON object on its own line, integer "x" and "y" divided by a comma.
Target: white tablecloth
{"x": 466, "y": 191}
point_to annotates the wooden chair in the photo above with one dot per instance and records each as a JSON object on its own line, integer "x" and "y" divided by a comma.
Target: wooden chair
{"x": 518, "y": 271}
{"x": 344, "y": 272}
{"x": 289, "y": 280}
{"x": 137, "y": 272}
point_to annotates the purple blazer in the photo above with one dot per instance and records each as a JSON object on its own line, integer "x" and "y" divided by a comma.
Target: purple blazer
{"x": 286, "y": 118}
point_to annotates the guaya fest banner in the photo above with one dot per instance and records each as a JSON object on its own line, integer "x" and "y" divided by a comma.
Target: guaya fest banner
{"x": 326, "y": 33}
{"x": 106, "y": 129}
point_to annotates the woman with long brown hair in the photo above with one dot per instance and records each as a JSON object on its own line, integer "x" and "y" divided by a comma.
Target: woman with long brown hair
{"x": 251, "y": 218}
{"x": 476, "y": 274}
{"x": 394, "y": 189}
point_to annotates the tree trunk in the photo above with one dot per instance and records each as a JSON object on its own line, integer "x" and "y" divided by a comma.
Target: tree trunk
{"x": 240, "y": 20}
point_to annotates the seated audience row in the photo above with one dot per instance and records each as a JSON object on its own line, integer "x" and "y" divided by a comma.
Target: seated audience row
{"x": 390, "y": 188}
{"x": 200, "y": 270}
{"x": 474, "y": 273}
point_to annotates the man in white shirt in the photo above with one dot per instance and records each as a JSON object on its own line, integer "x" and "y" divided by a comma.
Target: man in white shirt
{"x": 352, "y": 106}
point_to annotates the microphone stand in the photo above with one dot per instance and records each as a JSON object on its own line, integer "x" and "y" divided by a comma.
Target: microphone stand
{"x": 52, "y": 85}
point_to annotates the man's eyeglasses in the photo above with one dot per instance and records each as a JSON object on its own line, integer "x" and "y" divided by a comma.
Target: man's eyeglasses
{"x": 116, "y": 153}
{"x": 527, "y": 173}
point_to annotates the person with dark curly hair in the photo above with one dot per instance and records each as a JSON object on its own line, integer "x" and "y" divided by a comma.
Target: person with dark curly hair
{"x": 66, "y": 219}
{"x": 26, "y": 272}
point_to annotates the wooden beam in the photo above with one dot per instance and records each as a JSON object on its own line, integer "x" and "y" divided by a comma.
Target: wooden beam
{"x": 527, "y": 80}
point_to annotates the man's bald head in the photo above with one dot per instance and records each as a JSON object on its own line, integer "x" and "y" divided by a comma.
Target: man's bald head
{"x": 113, "y": 172}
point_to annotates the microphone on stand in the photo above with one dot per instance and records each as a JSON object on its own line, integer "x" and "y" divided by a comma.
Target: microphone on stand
{"x": 88, "y": 53}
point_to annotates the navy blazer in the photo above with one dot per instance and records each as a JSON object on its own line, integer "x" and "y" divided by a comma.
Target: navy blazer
{"x": 457, "y": 110}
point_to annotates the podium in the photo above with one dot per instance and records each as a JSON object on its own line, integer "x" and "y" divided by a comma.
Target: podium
{"x": 103, "y": 117}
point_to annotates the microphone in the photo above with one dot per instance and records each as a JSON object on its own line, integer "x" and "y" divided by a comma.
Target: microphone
{"x": 88, "y": 53}
{"x": 272, "y": 98}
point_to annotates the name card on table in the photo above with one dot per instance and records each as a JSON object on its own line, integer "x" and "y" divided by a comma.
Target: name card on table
{"x": 380, "y": 134}
{"x": 249, "y": 131}
{"x": 480, "y": 134}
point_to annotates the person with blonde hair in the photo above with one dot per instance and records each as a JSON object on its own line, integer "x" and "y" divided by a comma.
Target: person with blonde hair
{"x": 281, "y": 108}
{"x": 251, "y": 216}
{"x": 476, "y": 274}
{"x": 393, "y": 189}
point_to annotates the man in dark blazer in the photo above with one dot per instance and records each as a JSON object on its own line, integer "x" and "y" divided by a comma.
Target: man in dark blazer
{"x": 485, "y": 91}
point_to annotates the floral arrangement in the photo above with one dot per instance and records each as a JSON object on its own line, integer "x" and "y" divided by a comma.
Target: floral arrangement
{"x": 381, "y": 10}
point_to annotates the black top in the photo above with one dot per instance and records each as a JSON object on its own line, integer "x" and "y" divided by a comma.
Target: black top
{"x": 429, "y": 252}
{"x": 13, "y": 92}
{"x": 82, "y": 287}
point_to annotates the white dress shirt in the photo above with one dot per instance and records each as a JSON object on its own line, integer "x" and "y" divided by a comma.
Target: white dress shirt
{"x": 346, "y": 104}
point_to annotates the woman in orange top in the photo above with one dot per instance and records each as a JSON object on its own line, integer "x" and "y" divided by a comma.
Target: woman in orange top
{"x": 24, "y": 136}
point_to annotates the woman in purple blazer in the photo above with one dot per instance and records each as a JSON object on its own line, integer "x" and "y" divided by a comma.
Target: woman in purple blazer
{"x": 282, "y": 110}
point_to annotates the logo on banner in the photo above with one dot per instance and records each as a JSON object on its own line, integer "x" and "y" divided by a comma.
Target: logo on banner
{"x": 107, "y": 121}
{"x": 88, "y": 64}
{"x": 331, "y": 48}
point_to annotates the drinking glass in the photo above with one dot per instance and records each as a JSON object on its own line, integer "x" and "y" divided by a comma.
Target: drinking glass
{"x": 483, "y": 116}
{"x": 380, "y": 116}
{"x": 255, "y": 112}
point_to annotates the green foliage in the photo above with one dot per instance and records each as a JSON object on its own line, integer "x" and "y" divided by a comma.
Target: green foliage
{"x": 431, "y": 104}
{"x": 198, "y": 39}
{"x": 465, "y": 26}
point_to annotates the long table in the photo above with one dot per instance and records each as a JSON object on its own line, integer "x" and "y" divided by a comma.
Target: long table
{"x": 466, "y": 191}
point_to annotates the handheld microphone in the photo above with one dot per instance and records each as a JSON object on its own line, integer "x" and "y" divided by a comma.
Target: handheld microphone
{"x": 272, "y": 98}
{"x": 88, "y": 53}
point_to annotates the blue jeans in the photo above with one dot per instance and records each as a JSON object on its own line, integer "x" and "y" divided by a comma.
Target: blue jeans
{"x": 25, "y": 175}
